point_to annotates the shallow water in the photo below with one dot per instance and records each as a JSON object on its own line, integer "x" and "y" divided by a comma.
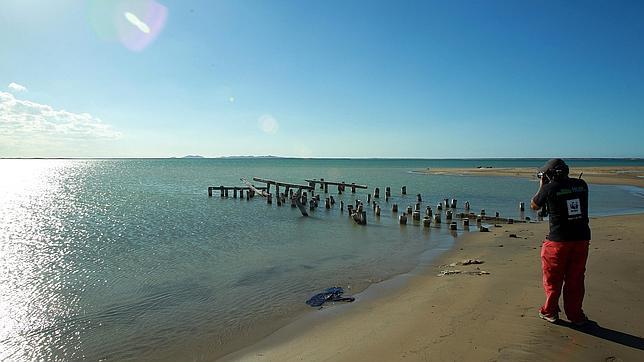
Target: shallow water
{"x": 131, "y": 258}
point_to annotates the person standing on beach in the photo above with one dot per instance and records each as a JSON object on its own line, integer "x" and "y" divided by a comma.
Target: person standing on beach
{"x": 565, "y": 250}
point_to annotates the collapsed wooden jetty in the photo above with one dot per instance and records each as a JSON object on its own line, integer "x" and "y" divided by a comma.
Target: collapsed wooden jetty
{"x": 299, "y": 197}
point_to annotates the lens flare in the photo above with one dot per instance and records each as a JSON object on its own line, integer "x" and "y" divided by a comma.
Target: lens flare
{"x": 137, "y": 22}
{"x": 268, "y": 124}
{"x": 133, "y": 23}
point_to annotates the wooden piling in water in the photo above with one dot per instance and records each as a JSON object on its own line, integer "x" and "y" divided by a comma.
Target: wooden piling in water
{"x": 394, "y": 208}
{"x": 427, "y": 221}
{"x": 403, "y": 190}
{"x": 521, "y": 206}
{"x": 419, "y": 198}
{"x": 376, "y": 193}
{"x": 402, "y": 219}
{"x": 428, "y": 211}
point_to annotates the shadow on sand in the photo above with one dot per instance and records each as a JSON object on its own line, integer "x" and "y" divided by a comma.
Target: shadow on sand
{"x": 594, "y": 329}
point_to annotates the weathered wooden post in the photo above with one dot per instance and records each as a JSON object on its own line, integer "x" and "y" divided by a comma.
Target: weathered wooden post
{"x": 417, "y": 207}
{"x": 453, "y": 205}
{"x": 510, "y": 221}
{"x": 312, "y": 204}
{"x": 452, "y": 226}
{"x": 496, "y": 215}
{"x": 439, "y": 207}
{"x": 353, "y": 188}
{"x": 448, "y": 215}
{"x": 368, "y": 198}
{"x": 326, "y": 188}
{"x": 269, "y": 199}
{"x": 428, "y": 211}
{"x": 403, "y": 190}
{"x": 394, "y": 208}
{"x": 234, "y": 193}
{"x": 341, "y": 206}
{"x": 467, "y": 205}
{"x": 437, "y": 218}
{"x": 409, "y": 210}
{"x": 277, "y": 189}
{"x": 388, "y": 191}
{"x": 482, "y": 212}
{"x": 377, "y": 210}
{"x": 327, "y": 203}
{"x": 221, "y": 191}
{"x": 466, "y": 223}
{"x": 209, "y": 191}
{"x": 446, "y": 204}
{"x": 247, "y": 195}
{"x": 419, "y": 198}
{"x": 321, "y": 183}
{"x": 521, "y": 206}
{"x": 376, "y": 193}
{"x": 293, "y": 204}
{"x": 427, "y": 221}
{"x": 402, "y": 219}
{"x": 332, "y": 200}
{"x": 226, "y": 192}
{"x": 416, "y": 215}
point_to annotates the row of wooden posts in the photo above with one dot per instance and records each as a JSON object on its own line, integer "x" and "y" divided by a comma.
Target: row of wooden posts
{"x": 357, "y": 211}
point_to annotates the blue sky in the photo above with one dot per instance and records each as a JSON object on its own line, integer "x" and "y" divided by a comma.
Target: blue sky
{"x": 430, "y": 79}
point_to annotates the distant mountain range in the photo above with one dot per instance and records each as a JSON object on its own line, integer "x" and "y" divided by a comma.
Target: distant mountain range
{"x": 198, "y": 156}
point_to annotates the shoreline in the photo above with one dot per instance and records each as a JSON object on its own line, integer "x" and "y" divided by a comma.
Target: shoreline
{"x": 604, "y": 175}
{"x": 478, "y": 317}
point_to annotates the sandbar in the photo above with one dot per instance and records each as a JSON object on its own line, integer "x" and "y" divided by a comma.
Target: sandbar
{"x": 617, "y": 175}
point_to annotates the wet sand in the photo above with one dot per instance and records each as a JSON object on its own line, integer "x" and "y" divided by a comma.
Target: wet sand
{"x": 483, "y": 317}
{"x": 626, "y": 175}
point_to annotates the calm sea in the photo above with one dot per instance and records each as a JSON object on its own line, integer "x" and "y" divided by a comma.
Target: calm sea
{"x": 117, "y": 259}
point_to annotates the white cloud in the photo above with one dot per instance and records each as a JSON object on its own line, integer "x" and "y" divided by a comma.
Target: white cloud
{"x": 17, "y": 87}
{"x": 268, "y": 124}
{"x": 30, "y": 122}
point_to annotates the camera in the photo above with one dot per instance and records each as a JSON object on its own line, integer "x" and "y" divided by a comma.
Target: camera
{"x": 544, "y": 176}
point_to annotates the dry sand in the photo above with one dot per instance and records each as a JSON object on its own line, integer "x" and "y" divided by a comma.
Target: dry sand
{"x": 488, "y": 317}
{"x": 626, "y": 175}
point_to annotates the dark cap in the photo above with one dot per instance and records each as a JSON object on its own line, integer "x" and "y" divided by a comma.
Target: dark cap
{"x": 555, "y": 164}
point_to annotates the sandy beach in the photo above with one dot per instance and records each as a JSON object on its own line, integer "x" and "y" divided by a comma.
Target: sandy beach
{"x": 622, "y": 175}
{"x": 483, "y": 317}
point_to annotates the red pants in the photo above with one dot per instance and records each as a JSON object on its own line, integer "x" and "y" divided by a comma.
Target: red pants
{"x": 564, "y": 264}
